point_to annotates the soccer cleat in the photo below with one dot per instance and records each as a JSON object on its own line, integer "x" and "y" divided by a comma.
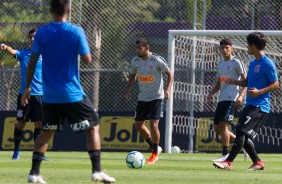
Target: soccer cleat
{"x": 257, "y": 166}
{"x": 153, "y": 158}
{"x": 159, "y": 150}
{"x": 246, "y": 155}
{"x": 221, "y": 159}
{"x": 223, "y": 165}
{"x": 44, "y": 158}
{"x": 35, "y": 179}
{"x": 16, "y": 155}
{"x": 102, "y": 177}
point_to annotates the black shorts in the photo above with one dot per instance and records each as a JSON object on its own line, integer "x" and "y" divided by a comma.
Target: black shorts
{"x": 149, "y": 110}
{"x": 251, "y": 120}
{"x": 80, "y": 115}
{"x": 32, "y": 111}
{"x": 224, "y": 112}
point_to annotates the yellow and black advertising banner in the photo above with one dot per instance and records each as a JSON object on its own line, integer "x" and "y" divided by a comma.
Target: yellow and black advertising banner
{"x": 206, "y": 138}
{"x": 27, "y": 137}
{"x": 118, "y": 132}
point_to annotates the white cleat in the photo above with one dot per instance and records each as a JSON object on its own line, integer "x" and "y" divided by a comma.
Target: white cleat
{"x": 159, "y": 150}
{"x": 221, "y": 159}
{"x": 36, "y": 179}
{"x": 102, "y": 177}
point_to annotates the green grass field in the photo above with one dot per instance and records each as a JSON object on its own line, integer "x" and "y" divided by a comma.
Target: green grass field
{"x": 74, "y": 168}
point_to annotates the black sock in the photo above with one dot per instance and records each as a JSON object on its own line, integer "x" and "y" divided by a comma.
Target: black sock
{"x": 155, "y": 148}
{"x": 36, "y": 133}
{"x": 149, "y": 141}
{"x": 36, "y": 161}
{"x": 237, "y": 145}
{"x": 225, "y": 150}
{"x": 250, "y": 149}
{"x": 95, "y": 157}
{"x": 17, "y": 138}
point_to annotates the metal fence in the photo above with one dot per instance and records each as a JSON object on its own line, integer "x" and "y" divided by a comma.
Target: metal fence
{"x": 112, "y": 27}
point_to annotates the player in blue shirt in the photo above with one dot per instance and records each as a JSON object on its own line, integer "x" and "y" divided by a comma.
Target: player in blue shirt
{"x": 261, "y": 79}
{"x": 33, "y": 111}
{"x": 60, "y": 43}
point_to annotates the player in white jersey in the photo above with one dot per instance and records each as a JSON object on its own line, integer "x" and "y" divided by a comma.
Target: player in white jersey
{"x": 148, "y": 68}
{"x": 230, "y": 95}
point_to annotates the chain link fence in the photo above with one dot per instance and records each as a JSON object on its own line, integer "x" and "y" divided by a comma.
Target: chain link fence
{"x": 112, "y": 27}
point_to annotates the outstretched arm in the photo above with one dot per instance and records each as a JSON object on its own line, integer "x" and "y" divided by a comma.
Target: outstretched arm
{"x": 8, "y": 49}
{"x": 242, "y": 83}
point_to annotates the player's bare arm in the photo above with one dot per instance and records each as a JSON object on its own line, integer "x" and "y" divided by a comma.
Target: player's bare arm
{"x": 29, "y": 76}
{"x": 242, "y": 83}
{"x": 240, "y": 98}
{"x": 169, "y": 84}
{"x": 132, "y": 79}
{"x": 214, "y": 90}
{"x": 8, "y": 49}
{"x": 256, "y": 92}
{"x": 86, "y": 58}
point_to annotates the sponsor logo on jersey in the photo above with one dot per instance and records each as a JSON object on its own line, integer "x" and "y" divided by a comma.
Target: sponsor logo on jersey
{"x": 257, "y": 69}
{"x": 146, "y": 78}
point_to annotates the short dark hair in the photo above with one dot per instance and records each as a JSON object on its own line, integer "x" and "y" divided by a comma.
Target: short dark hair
{"x": 33, "y": 30}
{"x": 143, "y": 41}
{"x": 225, "y": 41}
{"x": 258, "y": 39}
{"x": 59, "y": 7}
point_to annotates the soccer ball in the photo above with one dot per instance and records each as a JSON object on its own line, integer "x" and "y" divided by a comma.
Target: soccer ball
{"x": 175, "y": 149}
{"x": 135, "y": 160}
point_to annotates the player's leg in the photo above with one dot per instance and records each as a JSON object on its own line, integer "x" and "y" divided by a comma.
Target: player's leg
{"x": 142, "y": 114}
{"x": 247, "y": 126}
{"x": 40, "y": 148}
{"x": 35, "y": 110}
{"x": 19, "y": 127}
{"x": 249, "y": 146}
{"x": 155, "y": 113}
{"x": 51, "y": 122}
{"x": 223, "y": 117}
{"x": 83, "y": 117}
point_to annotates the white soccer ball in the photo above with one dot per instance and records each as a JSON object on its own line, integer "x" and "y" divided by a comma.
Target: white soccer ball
{"x": 135, "y": 160}
{"x": 175, "y": 149}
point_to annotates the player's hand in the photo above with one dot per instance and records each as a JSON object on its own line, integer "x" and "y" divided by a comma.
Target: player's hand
{"x": 127, "y": 96}
{"x": 25, "y": 96}
{"x": 167, "y": 94}
{"x": 3, "y": 46}
{"x": 239, "y": 101}
{"x": 228, "y": 80}
{"x": 253, "y": 92}
{"x": 209, "y": 97}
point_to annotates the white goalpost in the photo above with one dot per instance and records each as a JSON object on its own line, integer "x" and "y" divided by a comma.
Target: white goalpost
{"x": 193, "y": 56}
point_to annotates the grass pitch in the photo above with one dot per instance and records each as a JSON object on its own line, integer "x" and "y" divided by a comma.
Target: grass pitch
{"x": 75, "y": 168}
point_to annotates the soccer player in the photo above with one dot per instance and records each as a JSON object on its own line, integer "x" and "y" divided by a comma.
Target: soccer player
{"x": 230, "y": 96}
{"x": 33, "y": 110}
{"x": 59, "y": 43}
{"x": 261, "y": 79}
{"x": 148, "y": 68}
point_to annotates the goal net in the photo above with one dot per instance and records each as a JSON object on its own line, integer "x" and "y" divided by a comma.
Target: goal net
{"x": 193, "y": 56}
